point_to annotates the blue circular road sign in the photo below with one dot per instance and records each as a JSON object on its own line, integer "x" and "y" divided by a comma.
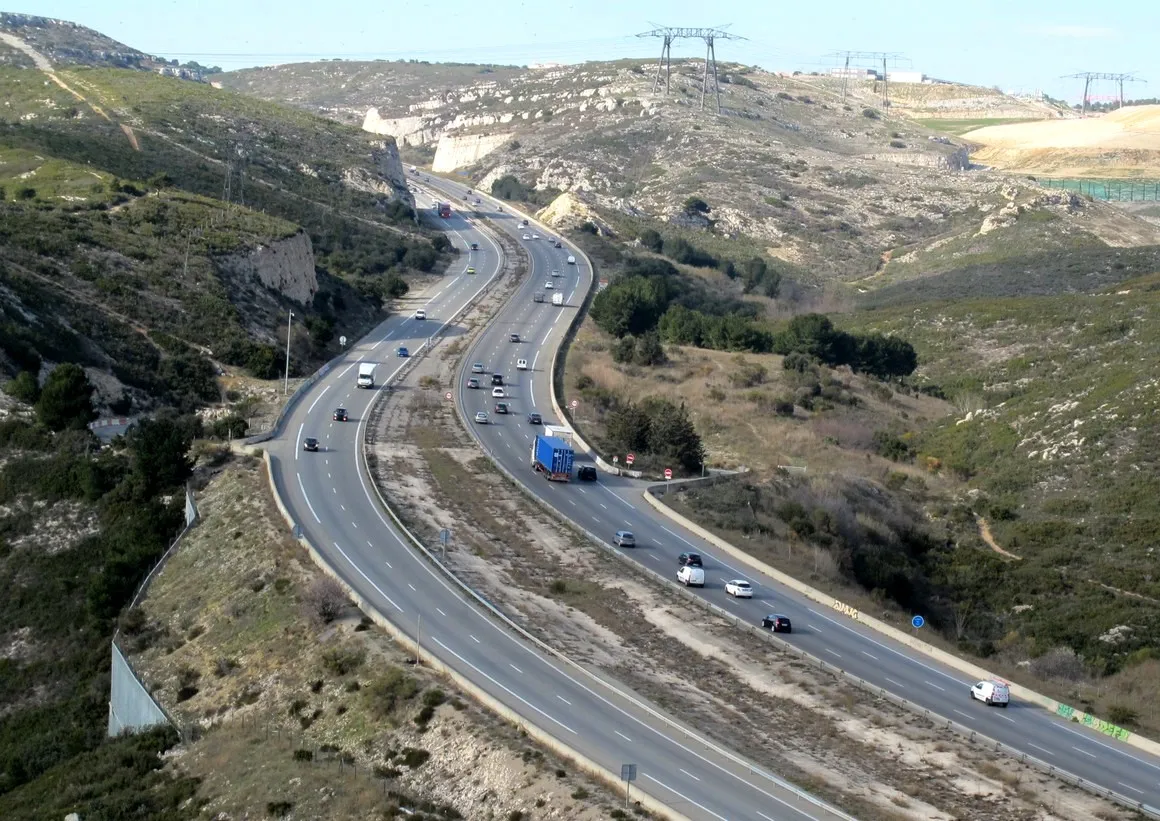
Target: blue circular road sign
{"x": 917, "y": 621}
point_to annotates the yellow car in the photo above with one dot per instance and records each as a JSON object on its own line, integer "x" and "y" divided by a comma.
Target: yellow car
{"x": 470, "y": 269}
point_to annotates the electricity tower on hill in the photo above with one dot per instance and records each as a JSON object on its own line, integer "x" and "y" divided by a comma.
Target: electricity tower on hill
{"x": 867, "y": 60}
{"x": 1088, "y": 76}
{"x": 710, "y": 35}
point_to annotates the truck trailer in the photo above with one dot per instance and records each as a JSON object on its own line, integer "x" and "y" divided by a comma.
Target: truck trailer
{"x": 366, "y": 375}
{"x": 443, "y": 209}
{"x": 553, "y": 457}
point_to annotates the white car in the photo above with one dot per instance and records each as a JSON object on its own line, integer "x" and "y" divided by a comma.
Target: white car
{"x": 497, "y": 393}
{"x": 477, "y": 367}
{"x": 556, "y": 273}
{"x": 549, "y": 285}
{"x": 527, "y": 236}
{"x": 481, "y": 418}
{"x": 739, "y": 589}
{"x": 992, "y": 691}
{"x": 521, "y": 364}
{"x": 535, "y": 236}
{"x": 420, "y": 314}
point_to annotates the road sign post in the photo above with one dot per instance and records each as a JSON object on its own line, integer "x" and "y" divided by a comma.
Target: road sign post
{"x": 444, "y": 540}
{"x": 917, "y": 622}
{"x": 342, "y": 342}
{"x": 627, "y": 775}
{"x": 448, "y": 396}
{"x": 628, "y": 460}
{"x": 668, "y": 474}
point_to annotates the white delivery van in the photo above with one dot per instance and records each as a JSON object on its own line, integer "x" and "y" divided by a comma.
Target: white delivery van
{"x": 993, "y": 691}
{"x": 691, "y": 576}
{"x": 557, "y": 299}
{"x": 366, "y": 375}
{"x": 571, "y": 260}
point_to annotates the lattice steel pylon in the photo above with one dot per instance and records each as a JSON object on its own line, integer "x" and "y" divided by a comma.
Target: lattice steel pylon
{"x": 709, "y": 35}
{"x": 1088, "y": 76}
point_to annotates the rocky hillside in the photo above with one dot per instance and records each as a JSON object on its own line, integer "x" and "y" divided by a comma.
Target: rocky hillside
{"x": 64, "y": 43}
{"x": 825, "y": 187}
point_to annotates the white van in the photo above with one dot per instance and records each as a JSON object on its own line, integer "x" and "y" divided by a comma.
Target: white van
{"x": 691, "y": 576}
{"x": 992, "y": 691}
{"x": 557, "y": 299}
{"x": 571, "y": 260}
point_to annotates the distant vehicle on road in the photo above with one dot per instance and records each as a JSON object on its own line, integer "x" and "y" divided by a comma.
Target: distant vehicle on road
{"x": 501, "y": 407}
{"x": 471, "y": 269}
{"x": 571, "y": 260}
{"x": 993, "y": 691}
{"x": 497, "y": 379}
{"x": 442, "y": 208}
{"x": 310, "y": 444}
{"x": 402, "y": 352}
{"x": 549, "y": 285}
{"x": 739, "y": 589}
{"x": 522, "y": 224}
{"x": 513, "y": 337}
{"x": 553, "y": 457}
{"x": 558, "y": 244}
{"x": 475, "y": 246}
{"x": 557, "y": 299}
{"x": 473, "y": 382}
{"x": 521, "y": 364}
{"x": 481, "y": 417}
{"x": 556, "y": 272}
{"x": 538, "y": 296}
{"x": 535, "y": 236}
{"x": 586, "y": 473}
{"x": 366, "y": 375}
{"x": 624, "y": 538}
{"x": 777, "y": 623}
{"x": 535, "y": 419}
{"x": 340, "y": 414}
{"x": 691, "y": 576}
{"x": 689, "y": 560}
{"x": 497, "y": 393}
{"x": 420, "y": 314}
{"x": 477, "y": 367}
{"x": 527, "y": 236}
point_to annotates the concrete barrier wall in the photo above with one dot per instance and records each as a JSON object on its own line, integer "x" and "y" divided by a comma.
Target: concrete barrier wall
{"x": 131, "y": 705}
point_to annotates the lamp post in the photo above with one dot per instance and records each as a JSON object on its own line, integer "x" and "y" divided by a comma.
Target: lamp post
{"x": 286, "y": 381}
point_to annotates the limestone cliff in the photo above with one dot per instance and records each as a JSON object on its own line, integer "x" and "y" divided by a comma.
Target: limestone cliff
{"x": 457, "y": 152}
{"x": 388, "y": 177}
{"x": 570, "y": 211}
{"x": 416, "y": 130}
{"x": 285, "y": 266}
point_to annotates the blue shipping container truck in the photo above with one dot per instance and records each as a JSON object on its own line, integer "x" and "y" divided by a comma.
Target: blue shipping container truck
{"x": 552, "y": 456}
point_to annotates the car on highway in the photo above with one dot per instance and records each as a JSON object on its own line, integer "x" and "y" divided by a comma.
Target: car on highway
{"x": 513, "y": 337}
{"x": 535, "y": 419}
{"x": 473, "y": 383}
{"x": 739, "y": 589}
{"x": 549, "y": 285}
{"x": 556, "y": 272}
{"x": 523, "y": 223}
{"x": 477, "y": 367}
{"x": 468, "y": 190}
{"x": 624, "y": 538}
{"x": 420, "y": 314}
{"x": 992, "y": 691}
{"x": 497, "y": 393}
{"x": 691, "y": 576}
{"x": 586, "y": 473}
{"x": 340, "y": 414}
{"x": 521, "y": 364}
{"x": 689, "y": 560}
{"x": 481, "y": 417}
{"x": 497, "y": 379}
{"x": 471, "y": 269}
{"x": 478, "y": 201}
{"x": 559, "y": 244}
{"x": 310, "y": 443}
{"x": 501, "y": 407}
{"x": 475, "y": 246}
{"x": 527, "y": 236}
{"x": 535, "y": 236}
{"x": 402, "y": 352}
{"x": 777, "y": 623}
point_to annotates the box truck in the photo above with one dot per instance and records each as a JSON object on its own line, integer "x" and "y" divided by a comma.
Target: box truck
{"x": 559, "y": 431}
{"x": 553, "y": 457}
{"x": 557, "y": 299}
{"x": 366, "y": 375}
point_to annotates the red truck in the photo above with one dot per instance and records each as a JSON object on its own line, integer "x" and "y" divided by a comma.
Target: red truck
{"x": 444, "y": 209}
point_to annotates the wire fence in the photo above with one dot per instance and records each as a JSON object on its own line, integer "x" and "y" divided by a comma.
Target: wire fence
{"x": 1116, "y": 190}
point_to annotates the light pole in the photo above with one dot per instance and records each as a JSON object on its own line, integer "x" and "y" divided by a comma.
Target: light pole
{"x": 286, "y": 382}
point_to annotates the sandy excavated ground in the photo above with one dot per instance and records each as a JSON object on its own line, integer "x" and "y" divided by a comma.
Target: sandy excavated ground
{"x": 1126, "y": 141}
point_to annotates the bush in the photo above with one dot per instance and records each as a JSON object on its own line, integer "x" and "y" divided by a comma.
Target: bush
{"x": 386, "y": 693}
{"x": 326, "y": 600}
{"x": 892, "y": 447}
{"x": 651, "y": 240}
{"x": 696, "y": 205}
{"x": 24, "y": 387}
{"x": 1121, "y": 715}
{"x": 343, "y": 660}
{"x": 871, "y": 114}
{"x": 66, "y": 401}
{"x": 897, "y": 144}
{"x": 413, "y": 757}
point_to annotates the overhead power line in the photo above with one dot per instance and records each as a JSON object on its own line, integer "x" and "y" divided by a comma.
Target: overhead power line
{"x": 710, "y": 35}
{"x": 1089, "y": 76}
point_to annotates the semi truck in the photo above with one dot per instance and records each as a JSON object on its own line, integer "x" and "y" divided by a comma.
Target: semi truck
{"x": 366, "y": 375}
{"x": 443, "y": 209}
{"x": 553, "y": 457}
{"x": 560, "y": 432}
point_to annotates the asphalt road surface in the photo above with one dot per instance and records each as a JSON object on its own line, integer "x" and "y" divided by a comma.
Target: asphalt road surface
{"x": 329, "y": 495}
{"x": 614, "y": 503}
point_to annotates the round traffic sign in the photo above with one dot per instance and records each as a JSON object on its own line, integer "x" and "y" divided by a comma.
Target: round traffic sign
{"x": 917, "y": 622}
{"x": 447, "y": 396}
{"x": 575, "y": 403}
{"x": 342, "y": 341}
{"x": 668, "y": 474}
{"x": 628, "y": 460}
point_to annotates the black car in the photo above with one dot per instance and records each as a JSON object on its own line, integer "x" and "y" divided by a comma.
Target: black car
{"x": 497, "y": 379}
{"x": 535, "y": 419}
{"x": 777, "y": 623}
{"x": 586, "y": 473}
{"x": 690, "y": 560}
{"x": 310, "y": 443}
{"x": 475, "y": 246}
{"x": 501, "y": 407}
{"x": 513, "y": 337}
{"x": 340, "y": 414}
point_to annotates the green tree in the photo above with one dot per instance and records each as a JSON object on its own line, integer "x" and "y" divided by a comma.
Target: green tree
{"x": 628, "y": 428}
{"x": 395, "y": 286}
{"x": 441, "y": 243}
{"x": 24, "y": 387}
{"x": 66, "y": 401}
{"x": 651, "y": 239}
{"x": 624, "y": 349}
{"x": 696, "y": 205}
{"x": 672, "y": 437}
{"x": 160, "y": 454}
{"x": 648, "y": 350}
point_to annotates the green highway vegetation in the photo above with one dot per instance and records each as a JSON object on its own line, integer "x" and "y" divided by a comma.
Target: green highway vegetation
{"x": 127, "y": 223}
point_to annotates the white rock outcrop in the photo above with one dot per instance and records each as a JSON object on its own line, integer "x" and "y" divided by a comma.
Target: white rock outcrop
{"x": 456, "y": 152}
{"x": 285, "y": 266}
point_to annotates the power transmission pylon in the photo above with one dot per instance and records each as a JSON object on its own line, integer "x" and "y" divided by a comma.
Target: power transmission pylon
{"x": 873, "y": 57}
{"x": 1088, "y": 76}
{"x": 709, "y": 35}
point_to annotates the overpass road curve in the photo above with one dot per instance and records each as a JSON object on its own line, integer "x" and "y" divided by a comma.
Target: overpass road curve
{"x": 616, "y": 502}
{"x": 329, "y": 496}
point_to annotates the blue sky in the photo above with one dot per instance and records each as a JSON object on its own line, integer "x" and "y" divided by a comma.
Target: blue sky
{"x": 1020, "y": 45}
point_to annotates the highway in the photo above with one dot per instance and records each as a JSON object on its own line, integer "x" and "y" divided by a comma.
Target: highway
{"x": 614, "y": 502}
{"x": 328, "y": 495}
